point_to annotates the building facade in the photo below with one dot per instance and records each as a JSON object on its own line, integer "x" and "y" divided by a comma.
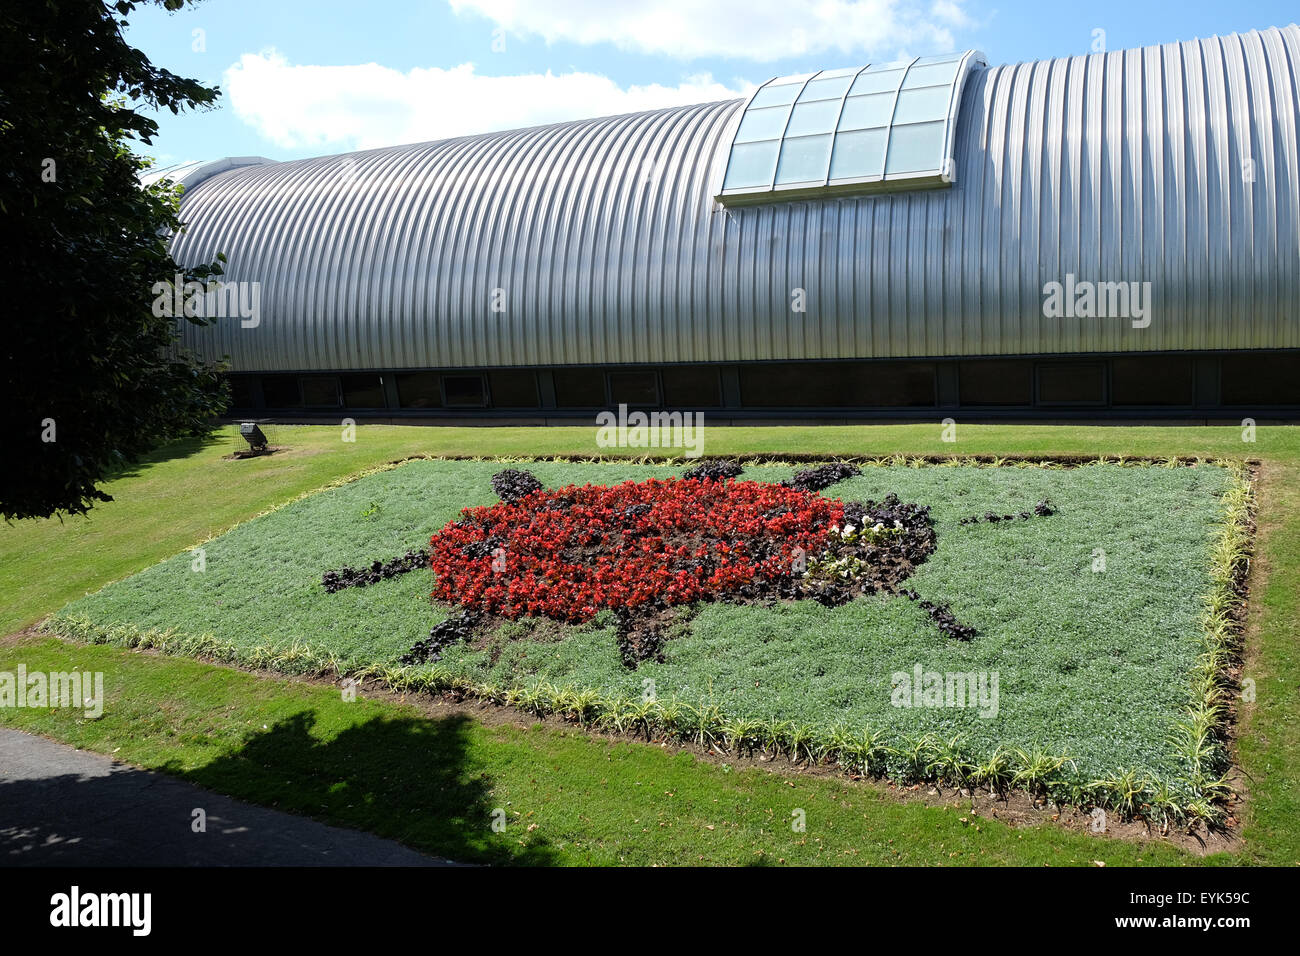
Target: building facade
{"x": 1106, "y": 235}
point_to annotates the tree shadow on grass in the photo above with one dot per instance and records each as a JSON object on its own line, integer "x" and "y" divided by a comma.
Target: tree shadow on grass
{"x": 168, "y": 451}
{"x": 410, "y": 780}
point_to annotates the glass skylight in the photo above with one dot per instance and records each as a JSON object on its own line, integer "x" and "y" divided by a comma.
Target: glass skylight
{"x": 838, "y": 129}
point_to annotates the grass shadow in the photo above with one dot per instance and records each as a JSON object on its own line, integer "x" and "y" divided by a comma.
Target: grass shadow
{"x": 169, "y": 451}
{"x": 408, "y": 779}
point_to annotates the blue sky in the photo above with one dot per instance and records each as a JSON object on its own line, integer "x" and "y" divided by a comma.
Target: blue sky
{"x": 305, "y": 79}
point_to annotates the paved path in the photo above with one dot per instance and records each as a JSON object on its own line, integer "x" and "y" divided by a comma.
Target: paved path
{"x": 66, "y": 807}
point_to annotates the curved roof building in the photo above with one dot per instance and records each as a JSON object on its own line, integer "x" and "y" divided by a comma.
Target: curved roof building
{"x": 1115, "y": 231}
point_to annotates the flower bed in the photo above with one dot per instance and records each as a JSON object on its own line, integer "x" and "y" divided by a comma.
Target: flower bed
{"x": 644, "y": 549}
{"x": 1099, "y": 666}
{"x": 568, "y": 553}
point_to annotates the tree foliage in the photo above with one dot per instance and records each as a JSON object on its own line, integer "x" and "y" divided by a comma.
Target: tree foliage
{"x": 92, "y": 378}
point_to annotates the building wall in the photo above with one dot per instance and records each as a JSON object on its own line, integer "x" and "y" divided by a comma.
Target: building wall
{"x": 1174, "y": 165}
{"x": 1235, "y": 384}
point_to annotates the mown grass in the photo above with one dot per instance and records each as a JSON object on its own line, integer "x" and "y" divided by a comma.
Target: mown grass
{"x": 433, "y": 783}
{"x": 185, "y": 494}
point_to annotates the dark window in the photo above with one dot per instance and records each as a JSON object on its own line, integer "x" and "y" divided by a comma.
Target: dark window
{"x": 363, "y": 391}
{"x": 513, "y": 388}
{"x": 1072, "y": 384}
{"x": 419, "y": 390}
{"x": 579, "y": 388}
{"x": 633, "y": 388}
{"x": 281, "y": 391}
{"x": 1151, "y": 380}
{"x": 320, "y": 391}
{"x": 996, "y": 383}
{"x": 779, "y": 386}
{"x": 464, "y": 391}
{"x": 241, "y": 391}
{"x": 890, "y": 385}
{"x": 837, "y": 385}
{"x": 1260, "y": 379}
{"x": 691, "y": 387}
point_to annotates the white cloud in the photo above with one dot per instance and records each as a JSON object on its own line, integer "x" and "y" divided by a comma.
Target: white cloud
{"x": 951, "y": 13}
{"x": 368, "y": 105}
{"x": 760, "y": 30}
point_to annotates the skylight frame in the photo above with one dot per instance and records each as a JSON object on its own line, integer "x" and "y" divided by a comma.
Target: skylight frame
{"x": 938, "y": 174}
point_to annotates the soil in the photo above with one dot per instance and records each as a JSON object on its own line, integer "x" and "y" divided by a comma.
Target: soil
{"x": 1015, "y": 808}
{"x": 1246, "y": 617}
{"x": 782, "y": 458}
{"x": 249, "y": 453}
{"x": 495, "y": 632}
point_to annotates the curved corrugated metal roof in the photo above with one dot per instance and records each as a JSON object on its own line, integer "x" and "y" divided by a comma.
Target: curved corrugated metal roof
{"x": 1173, "y": 164}
{"x": 190, "y": 174}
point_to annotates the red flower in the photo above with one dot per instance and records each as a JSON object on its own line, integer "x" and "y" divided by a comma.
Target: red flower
{"x": 569, "y": 553}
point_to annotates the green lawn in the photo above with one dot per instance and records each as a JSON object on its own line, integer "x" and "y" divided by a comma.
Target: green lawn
{"x": 1093, "y": 665}
{"x": 166, "y": 718}
{"x": 186, "y": 493}
{"x": 434, "y": 783}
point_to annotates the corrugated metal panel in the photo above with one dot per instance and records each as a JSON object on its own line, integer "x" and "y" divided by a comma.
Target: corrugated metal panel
{"x": 1175, "y": 165}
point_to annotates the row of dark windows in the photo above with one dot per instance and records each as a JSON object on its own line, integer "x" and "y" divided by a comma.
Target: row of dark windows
{"x": 684, "y": 387}
{"x": 1172, "y": 381}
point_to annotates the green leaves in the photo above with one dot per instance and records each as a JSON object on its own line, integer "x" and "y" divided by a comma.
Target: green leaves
{"x": 92, "y": 377}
